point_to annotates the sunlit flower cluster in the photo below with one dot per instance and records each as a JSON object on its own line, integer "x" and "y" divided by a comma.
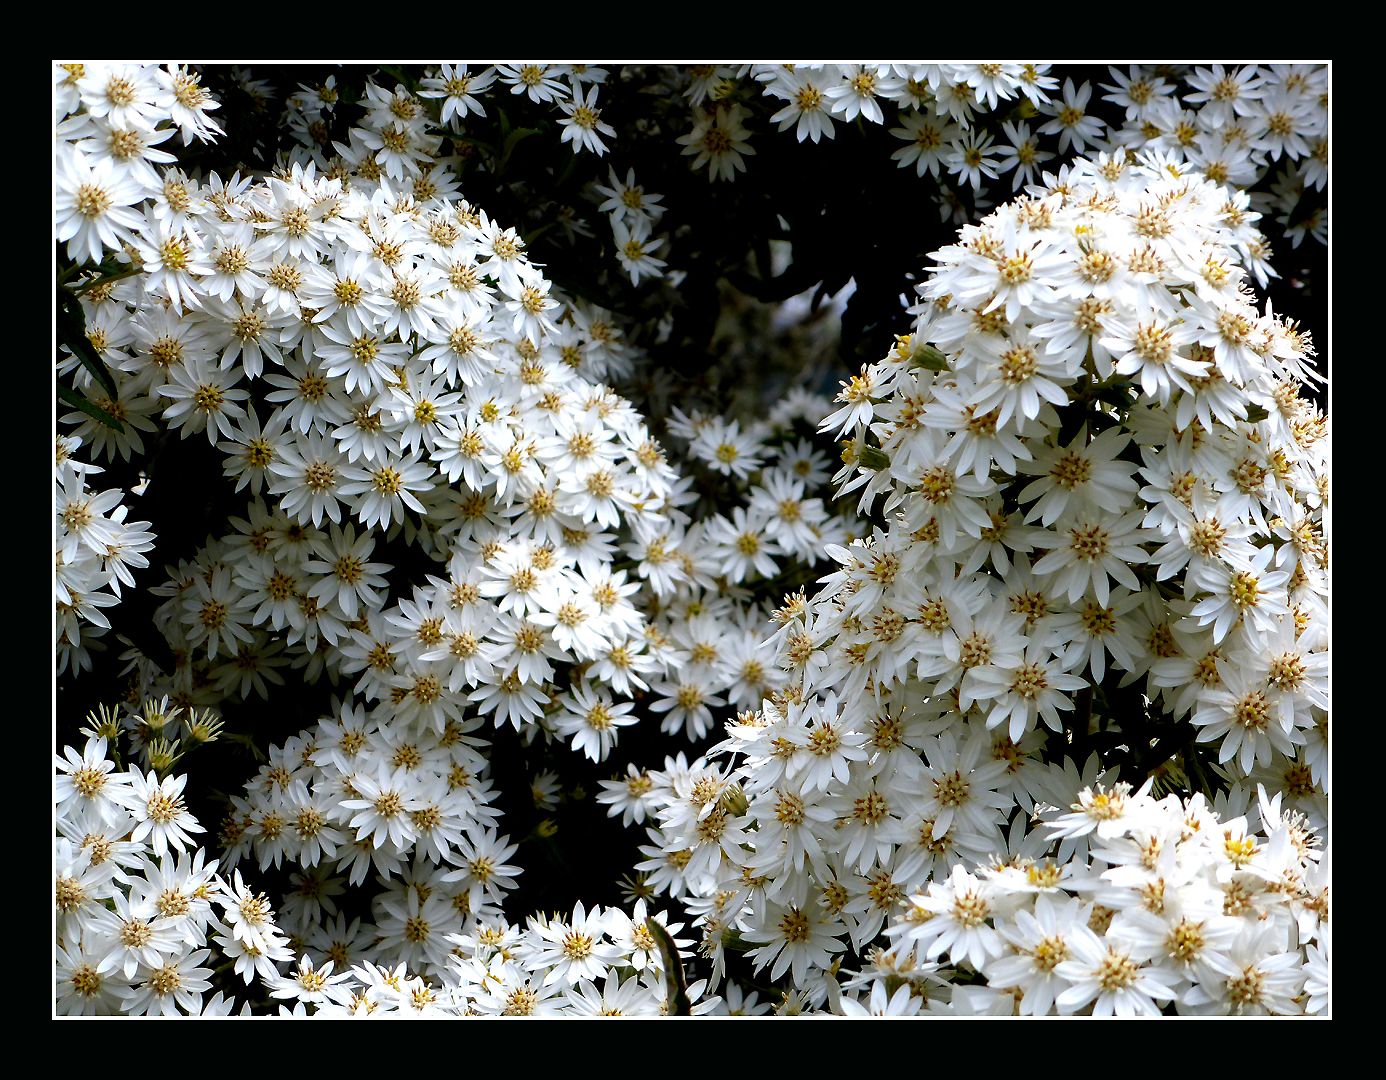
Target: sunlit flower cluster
{"x": 932, "y": 667}
{"x": 112, "y": 121}
{"x": 1171, "y": 905}
{"x": 1095, "y": 470}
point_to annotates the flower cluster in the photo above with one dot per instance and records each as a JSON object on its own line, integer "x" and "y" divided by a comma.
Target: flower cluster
{"x": 966, "y": 125}
{"x": 934, "y": 105}
{"x": 1171, "y": 905}
{"x": 1238, "y": 125}
{"x": 406, "y": 359}
{"x": 602, "y": 962}
{"x": 1101, "y": 416}
{"x": 401, "y": 137}
{"x": 111, "y": 120}
{"x": 141, "y": 911}
{"x": 95, "y": 550}
{"x": 140, "y": 908}
{"x": 1088, "y": 547}
{"x": 1096, "y": 469}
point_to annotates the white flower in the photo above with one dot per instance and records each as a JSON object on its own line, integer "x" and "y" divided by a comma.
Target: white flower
{"x": 160, "y": 813}
{"x": 582, "y": 125}
{"x": 718, "y": 140}
{"x": 1110, "y": 975}
{"x": 92, "y": 206}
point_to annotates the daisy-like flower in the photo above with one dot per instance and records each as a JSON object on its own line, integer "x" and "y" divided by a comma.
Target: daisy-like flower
{"x": 635, "y": 249}
{"x": 538, "y": 82}
{"x": 1114, "y": 980}
{"x": 1241, "y": 715}
{"x": 742, "y": 546}
{"x": 81, "y": 989}
{"x": 686, "y": 702}
{"x": 1152, "y": 346}
{"x": 82, "y": 517}
{"x": 177, "y": 984}
{"x": 625, "y": 200}
{"x": 174, "y": 259}
{"x": 160, "y": 814}
{"x": 204, "y": 398}
{"x": 88, "y": 781}
{"x": 582, "y": 124}
{"x": 795, "y": 940}
{"x": 1031, "y": 686}
{"x": 826, "y": 745}
{"x": 591, "y": 721}
{"x": 248, "y": 914}
{"x": 718, "y": 140}
{"x": 533, "y": 311}
{"x": 1085, "y": 472}
{"x": 882, "y": 1003}
{"x": 217, "y": 611}
{"x": 459, "y": 90}
{"x": 383, "y": 490}
{"x": 1252, "y": 594}
{"x": 133, "y": 148}
{"x": 381, "y": 811}
{"x": 252, "y": 449}
{"x": 953, "y": 917}
{"x": 309, "y": 475}
{"x": 313, "y": 985}
{"x": 1091, "y": 552}
{"x": 92, "y": 206}
{"x": 1021, "y": 155}
{"x": 616, "y": 998}
{"x": 180, "y": 93}
{"x": 929, "y": 139}
{"x": 484, "y": 872}
{"x": 728, "y": 449}
{"x": 856, "y": 92}
{"x": 572, "y": 950}
{"x": 809, "y": 108}
{"x": 415, "y": 930}
{"x": 1106, "y": 813}
{"x": 1071, "y": 121}
{"x": 350, "y": 577}
{"x": 1039, "y": 941}
{"x": 969, "y": 159}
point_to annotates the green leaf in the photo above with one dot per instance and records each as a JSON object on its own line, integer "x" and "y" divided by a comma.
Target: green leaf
{"x": 675, "y": 983}
{"x": 926, "y": 356}
{"x": 1255, "y": 414}
{"x": 247, "y": 742}
{"x": 567, "y": 173}
{"x": 107, "y": 272}
{"x": 873, "y": 457}
{"x": 81, "y": 348}
{"x": 401, "y": 76}
{"x": 517, "y": 136}
{"x": 72, "y": 333}
{"x": 78, "y": 401}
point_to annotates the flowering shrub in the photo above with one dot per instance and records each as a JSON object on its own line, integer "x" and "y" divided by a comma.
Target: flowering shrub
{"x": 452, "y": 595}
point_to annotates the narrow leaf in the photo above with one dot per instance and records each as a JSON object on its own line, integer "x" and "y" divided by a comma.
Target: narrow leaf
{"x": 674, "y": 980}
{"x": 78, "y": 401}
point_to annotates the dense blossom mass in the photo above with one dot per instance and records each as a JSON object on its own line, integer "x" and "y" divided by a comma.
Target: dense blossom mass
{"x": 997, "y": 685}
